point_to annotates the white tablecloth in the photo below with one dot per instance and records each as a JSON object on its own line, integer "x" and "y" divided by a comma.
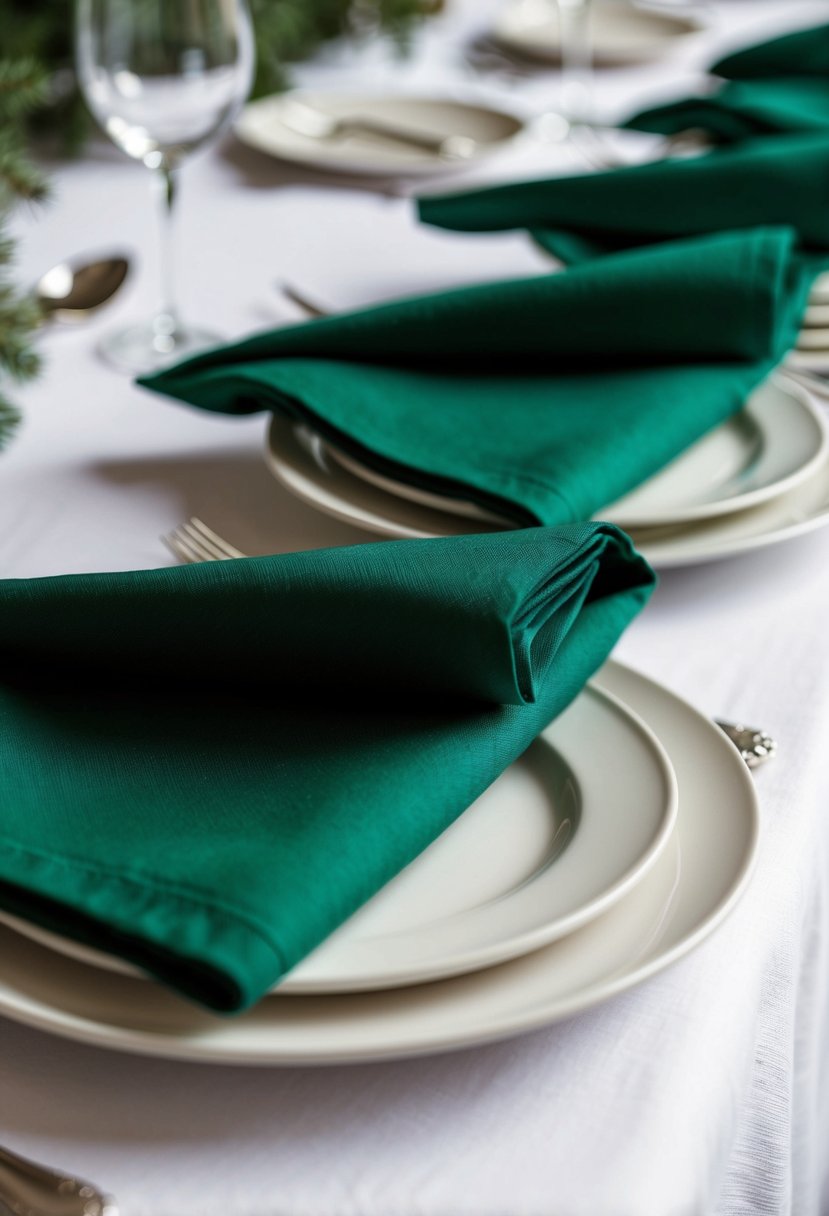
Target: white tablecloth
{"x": 704, "y": 1091}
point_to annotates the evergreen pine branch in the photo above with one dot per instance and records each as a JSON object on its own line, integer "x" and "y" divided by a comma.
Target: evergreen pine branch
{"x": 23, "y": 87}
{"x": 9, "y": 418}
{"x": 19, "y": 178}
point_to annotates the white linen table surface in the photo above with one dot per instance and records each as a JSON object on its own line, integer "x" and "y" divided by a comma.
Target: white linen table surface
{"x": 705, "y": 1090}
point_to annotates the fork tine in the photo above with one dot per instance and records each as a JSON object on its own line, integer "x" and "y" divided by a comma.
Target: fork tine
{"x": 201, "y": 544}
{"x": 194, "y": 542}
{"x": 223, "y": 548}
{"x": 183, "y": 549}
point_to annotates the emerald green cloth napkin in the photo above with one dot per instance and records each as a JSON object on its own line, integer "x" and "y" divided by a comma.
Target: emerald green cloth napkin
{"x": 780, "y": 180}
{"x": 543, "y": 398}
{"x": 207, "y": 769}
{"x": 777, "y": 86}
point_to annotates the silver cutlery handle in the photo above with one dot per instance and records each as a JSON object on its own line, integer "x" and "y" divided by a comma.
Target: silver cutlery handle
{"x": 755, "y": 746}
{"x": 29, "y": 1189}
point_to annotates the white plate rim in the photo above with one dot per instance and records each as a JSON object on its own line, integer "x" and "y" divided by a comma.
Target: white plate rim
{"x": 508, "y": 32}
{"x": 308, "y": 979}
{"x": 620, "y": 680}
{"x": 793, "y": 393}
{"x": 245, "y": 128}
{"x": 687, "y": 546}
{"x": 765, "y": 414}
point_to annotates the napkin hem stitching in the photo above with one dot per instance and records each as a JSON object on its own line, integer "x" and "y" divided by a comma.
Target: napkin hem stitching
{"x": 140, "y": 881}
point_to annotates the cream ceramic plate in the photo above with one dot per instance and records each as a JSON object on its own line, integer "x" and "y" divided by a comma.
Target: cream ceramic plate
{"x": 280, "y": 125}
{"x": 800, "y": 511}
{"x": 770, "y": 446}
{"x": 551, "y": 845}
{"x": 805, "y": 360}
{"x": 623, "y": 32}
{"x": 334, "y": 491}
{"x": 694, "y": 884}
{"x": 819, "y": 293}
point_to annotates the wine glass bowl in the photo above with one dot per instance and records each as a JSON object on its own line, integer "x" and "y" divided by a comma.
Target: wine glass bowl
{"x": 162, "y": 78}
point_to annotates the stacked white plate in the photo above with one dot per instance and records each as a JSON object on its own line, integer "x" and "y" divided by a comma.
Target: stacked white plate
{"x": 812, "y": 351}
{"x": 759, "y": 478}
{"x": 622, "y": 32}
{"x": 617, "y": 843}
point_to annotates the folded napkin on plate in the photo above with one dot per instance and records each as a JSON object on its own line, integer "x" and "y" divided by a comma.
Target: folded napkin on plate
{"x": 543, "y": 399}
{"x": 207, "y": 769}
{"x": 780, "y": 180}
{"x": 777, "y": 86}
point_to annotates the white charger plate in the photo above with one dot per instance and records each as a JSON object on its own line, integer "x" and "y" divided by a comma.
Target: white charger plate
{"x": 688, "y": 892}
{"x": 266, "y": 126}
{"x": 551, "y": 845}
{"x": 777, "y": 441}
{"x": 623, "y": 32}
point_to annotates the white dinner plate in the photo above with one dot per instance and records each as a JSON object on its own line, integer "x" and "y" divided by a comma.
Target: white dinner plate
{"x": 687, "y": 893}
{"x": 277, "y": 126}
{"x": 778, "y": 440}
{"x": 809, "y": 360}
{"x": 552, "y": 844}
{"x": 819, "y": 291}
{"x": 301, "y": 466}
{"x": 623, "y": 32}
{"x": 803, "y": 509}
{"x": 814, "y": 338}
{"x": 816, "y": 315}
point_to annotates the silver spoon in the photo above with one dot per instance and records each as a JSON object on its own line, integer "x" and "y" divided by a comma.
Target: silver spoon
{"x": 72, "y": 291}
{"x": 29, "y": 1189}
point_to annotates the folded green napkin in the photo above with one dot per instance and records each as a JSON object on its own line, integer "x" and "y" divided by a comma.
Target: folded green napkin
{"x": 777, "y": 86}
{"x": 543, "y": 399}
{"x": 206, "y": 769}
{"x": 780, "y": 180}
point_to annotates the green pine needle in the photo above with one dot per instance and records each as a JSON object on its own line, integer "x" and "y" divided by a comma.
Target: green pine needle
{"x": 9, "y": 419}
{"x": 23, "y": 87}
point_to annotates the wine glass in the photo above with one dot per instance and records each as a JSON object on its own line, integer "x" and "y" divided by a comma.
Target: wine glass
{"x": 576, "y": 60}
{"x": 162, "y": 78}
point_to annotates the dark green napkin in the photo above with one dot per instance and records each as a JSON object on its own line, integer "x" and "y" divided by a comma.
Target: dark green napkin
{"x": 206, "y": 769}
{"x": 801, "y": 53}
{"x": 780, "y": 180}
{"x": 777, "y": 86}
{"x": 543, "y": 398}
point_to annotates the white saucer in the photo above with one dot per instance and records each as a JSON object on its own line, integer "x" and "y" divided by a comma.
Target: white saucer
{"x": 777, "y": 441}
{"x": 551, "y": 845}
{"x": 622, "y": 32}
{"x": 693, "y": 885}
{"x": 268, "y": 126}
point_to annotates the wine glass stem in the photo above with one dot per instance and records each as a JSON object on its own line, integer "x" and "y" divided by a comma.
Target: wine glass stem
{"x": 576, "y": 59}
{"x": 166, "y": 322}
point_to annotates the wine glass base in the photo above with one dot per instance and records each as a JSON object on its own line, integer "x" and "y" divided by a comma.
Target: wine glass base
{"x": 143, "y": 348}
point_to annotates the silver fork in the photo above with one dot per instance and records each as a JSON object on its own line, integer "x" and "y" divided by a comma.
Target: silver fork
{"x": 193, "y": 542}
